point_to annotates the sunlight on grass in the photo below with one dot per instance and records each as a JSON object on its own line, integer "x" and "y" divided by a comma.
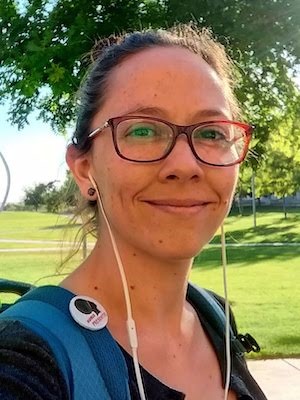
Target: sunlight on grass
{"x": 263, "y": 291}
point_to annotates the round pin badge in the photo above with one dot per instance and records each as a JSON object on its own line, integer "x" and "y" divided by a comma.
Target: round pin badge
{"x": 88, "y": 313}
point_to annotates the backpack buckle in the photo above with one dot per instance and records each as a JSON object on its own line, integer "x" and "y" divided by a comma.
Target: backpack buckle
{"x": 249, "y": 343}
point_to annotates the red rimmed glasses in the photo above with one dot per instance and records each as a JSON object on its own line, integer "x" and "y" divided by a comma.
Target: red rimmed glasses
{"x": 142, "y": 139}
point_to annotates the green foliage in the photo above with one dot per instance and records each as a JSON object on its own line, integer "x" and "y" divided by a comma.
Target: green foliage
{"x": 279, "y": 164}
{"x": 279, "y": 172}
{"x": 35, "y": 196}
{"x": 69, "y": 191}
{"x": 44, "y": 44}
{"x": 43, "y": 50}
{"x": 52, "y": 197}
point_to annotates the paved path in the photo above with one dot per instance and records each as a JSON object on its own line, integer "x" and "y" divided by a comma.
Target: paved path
{"x": 64, "y": 243}
{"x": 33, "y": 241}
{"x": 279, "y": 379}
{"x": 59, "y": 246}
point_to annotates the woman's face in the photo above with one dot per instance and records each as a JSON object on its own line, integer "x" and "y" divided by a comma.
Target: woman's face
{"x": 171, "y": 208}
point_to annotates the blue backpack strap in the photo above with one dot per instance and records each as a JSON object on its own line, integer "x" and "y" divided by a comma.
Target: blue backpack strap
{"x": 91, "y": 361}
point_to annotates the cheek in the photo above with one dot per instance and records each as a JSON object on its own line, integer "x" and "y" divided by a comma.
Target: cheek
{"x": 225, "y": 184}
{"x": 118, "y": 181}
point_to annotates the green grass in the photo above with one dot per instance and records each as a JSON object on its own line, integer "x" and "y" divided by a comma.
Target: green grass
{"x": 263, "y": 281}
{"x": 271, "y": 227}
{"x": 264, "y": 293}
{"x": 34, "y": 226}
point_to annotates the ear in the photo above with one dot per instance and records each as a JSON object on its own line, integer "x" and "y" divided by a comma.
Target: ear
{"x": 79, "y": 164}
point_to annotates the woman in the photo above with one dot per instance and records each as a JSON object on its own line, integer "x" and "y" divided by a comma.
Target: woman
{"x": 156, "y": 152}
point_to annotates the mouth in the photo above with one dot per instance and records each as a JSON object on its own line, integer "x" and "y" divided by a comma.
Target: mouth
{"x": 179, "y": 206}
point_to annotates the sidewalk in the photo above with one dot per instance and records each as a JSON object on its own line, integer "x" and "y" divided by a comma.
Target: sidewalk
{"x": 279, "y": 379}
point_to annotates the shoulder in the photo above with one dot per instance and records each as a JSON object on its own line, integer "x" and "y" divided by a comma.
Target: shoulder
{"x": 27, "y": 366}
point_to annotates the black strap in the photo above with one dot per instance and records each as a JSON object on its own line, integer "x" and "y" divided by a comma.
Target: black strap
{"x": 213, "y": 311}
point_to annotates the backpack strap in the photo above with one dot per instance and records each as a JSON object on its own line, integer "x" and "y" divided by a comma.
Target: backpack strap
{"x": 214, "y": 313}
{"x": 91, "y": 361}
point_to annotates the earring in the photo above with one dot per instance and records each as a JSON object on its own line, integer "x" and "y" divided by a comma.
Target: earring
{"x": 91, "y": 191}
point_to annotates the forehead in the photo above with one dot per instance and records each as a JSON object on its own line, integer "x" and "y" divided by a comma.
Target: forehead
{"x": 175, "y": 82}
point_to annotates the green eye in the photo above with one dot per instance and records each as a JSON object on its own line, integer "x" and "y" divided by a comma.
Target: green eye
{"x": 141, "y": 131}
{"x": 210, "y": 134}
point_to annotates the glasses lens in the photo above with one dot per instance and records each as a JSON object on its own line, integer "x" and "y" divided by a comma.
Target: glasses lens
{"x": 219, "y": 143}
{"x": 141, "y": 139}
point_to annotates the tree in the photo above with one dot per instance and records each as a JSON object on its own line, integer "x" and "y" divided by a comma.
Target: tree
{"x": 50, "y": 196}
{"x": 279, "y": 172}
{"x": 52, "y": 200}
{"x": 69, "y": 191}
{"x": 43, "y": 47}
{"x": 44, "y": 44}
{"x": 34, "y": 197}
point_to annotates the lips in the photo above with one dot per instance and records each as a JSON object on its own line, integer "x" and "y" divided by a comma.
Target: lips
{"x": 181, "y": 207}
{"x": 184, "y": 203}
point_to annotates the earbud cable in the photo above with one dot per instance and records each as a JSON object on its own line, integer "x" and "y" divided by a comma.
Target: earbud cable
{"x": 227, "y": 314}
{"x": 131, "y": 328}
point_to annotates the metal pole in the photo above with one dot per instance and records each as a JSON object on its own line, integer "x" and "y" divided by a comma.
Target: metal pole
{"x": 84, "y": 247}
{"x": 253, "y": 198}
{"x": 8, "y": 181}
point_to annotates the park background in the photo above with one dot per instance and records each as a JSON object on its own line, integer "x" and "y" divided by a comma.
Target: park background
{"x": 44, "y": 49}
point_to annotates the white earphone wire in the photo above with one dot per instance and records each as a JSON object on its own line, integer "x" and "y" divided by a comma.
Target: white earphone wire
{"x": 227, "y": 314}
{"x": 131, "y": 328}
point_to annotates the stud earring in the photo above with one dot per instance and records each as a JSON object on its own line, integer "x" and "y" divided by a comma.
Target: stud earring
{"x": 91, "y": 191}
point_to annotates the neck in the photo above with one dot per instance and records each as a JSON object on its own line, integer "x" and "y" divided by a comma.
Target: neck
{"x": 157, "y": 287}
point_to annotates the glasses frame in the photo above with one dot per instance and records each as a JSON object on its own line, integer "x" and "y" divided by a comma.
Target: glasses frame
{"x": 177, "y": 130}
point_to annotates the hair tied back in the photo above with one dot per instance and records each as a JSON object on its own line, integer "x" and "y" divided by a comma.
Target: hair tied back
{"x": 102, "y": 45}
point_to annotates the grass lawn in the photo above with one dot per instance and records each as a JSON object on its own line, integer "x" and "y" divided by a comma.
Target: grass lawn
{"x": 34, "y": 226}
{"x": 263, "y": 281}
{"x": 264, "y": 293}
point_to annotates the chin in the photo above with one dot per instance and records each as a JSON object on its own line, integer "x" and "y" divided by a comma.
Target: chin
{"x": 178, "y": 252}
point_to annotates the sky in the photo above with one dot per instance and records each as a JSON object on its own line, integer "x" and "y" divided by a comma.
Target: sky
{"x": 34, "y": 155}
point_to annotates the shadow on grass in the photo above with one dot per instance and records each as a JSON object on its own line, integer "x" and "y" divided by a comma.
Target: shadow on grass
{"x": 260, "y": 210}
{"x": 265, "y": 231}
{"x": 210, "y": 258}
{"x": 287, "y": 340}
{"x": 62, "y": 226}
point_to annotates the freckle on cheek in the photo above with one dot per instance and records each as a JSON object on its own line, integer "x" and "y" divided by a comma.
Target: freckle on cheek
{"x": 95, "y": 287}
{"x": 134, "y": 254}
{"x": 132, "y": 287}
{"x": 160, "y": 241}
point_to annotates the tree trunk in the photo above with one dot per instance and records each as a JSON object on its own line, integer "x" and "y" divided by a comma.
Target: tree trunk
{"x": 253, "y": 198}
{"x": 284, "y": 207}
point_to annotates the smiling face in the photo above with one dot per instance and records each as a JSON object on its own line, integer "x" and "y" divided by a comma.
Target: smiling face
{"x": 171, "y": 208}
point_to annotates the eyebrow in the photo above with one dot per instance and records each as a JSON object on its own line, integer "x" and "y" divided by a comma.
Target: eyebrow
{"x": 163, "y": 113}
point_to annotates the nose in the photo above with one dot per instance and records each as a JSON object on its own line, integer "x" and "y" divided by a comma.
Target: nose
{"x": 181, "y": 164}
